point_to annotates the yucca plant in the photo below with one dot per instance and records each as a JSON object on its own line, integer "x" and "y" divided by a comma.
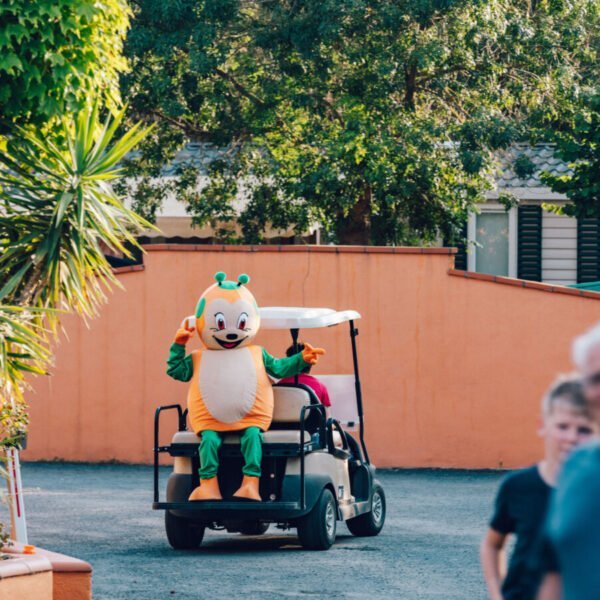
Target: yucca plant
{"x": 56, "y": 208}
{"x": 22, "y": 349}
{"x": 57, "y": 205}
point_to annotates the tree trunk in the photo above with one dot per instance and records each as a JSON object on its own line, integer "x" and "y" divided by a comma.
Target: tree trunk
{"x": 355, "y": 228}
{"x": 411, "y": 86}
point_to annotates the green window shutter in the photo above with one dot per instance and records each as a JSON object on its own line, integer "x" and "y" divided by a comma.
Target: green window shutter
{"x": 529, "y": 246}
{"x": 588, "y": 249}
{"x": 460, "y": 258}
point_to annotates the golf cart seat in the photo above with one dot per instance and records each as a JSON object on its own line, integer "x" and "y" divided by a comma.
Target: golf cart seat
{"x": 289, "y": 400}
{"x": 270, "y": 437}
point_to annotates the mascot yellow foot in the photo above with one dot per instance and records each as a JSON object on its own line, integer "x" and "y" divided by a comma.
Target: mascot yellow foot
{"x": 249, "y": 489}
{"x": 207, "y": 490}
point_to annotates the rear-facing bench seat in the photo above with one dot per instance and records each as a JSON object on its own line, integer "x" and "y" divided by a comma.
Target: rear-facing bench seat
{"x": 285, "y": 442}
{"x": 282, "y": 439}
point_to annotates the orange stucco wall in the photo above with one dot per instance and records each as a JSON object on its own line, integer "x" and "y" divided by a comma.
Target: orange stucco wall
{"x": 452, "y": 368}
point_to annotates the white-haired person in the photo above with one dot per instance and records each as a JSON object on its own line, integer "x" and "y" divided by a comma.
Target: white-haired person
{"x": 572, "y": 532}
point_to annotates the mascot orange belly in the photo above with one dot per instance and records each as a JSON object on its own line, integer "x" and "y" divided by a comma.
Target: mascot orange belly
{"x": 230, "y": 390}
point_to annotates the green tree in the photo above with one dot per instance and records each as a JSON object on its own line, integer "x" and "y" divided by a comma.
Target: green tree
{"x": 56, "y": 209}
{"x": 578, "y": 144}
{"x": 572, "y": 123}
{"x": 57, "y": 163}
{"x": 54, "y": 53}
{"x": 376, "y": 119}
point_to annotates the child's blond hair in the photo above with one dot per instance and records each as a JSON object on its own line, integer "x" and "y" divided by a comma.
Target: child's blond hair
{"x": 567, "y": 390}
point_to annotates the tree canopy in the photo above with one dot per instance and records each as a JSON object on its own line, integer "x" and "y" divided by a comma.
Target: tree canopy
{"x": 59, "y": 65}
{"x": 578, "y": 144}
{"x": 55, "y": 53}
{"x": 374, "y": 118}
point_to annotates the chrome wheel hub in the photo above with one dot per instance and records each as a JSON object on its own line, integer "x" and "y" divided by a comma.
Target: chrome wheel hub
{"x": 330, "y": 520}
{"x": 377, "y": 508}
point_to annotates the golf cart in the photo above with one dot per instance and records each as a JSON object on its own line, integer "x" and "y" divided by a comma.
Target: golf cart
{"x": 314, "y": 473}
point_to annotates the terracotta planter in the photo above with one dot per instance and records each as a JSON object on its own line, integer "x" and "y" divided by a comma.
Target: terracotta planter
{"x": 43, "y": 575}
{"x": 23, "y": 577}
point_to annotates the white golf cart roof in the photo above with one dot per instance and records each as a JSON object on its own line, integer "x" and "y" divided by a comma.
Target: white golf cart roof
{"x": 294, "y": 317}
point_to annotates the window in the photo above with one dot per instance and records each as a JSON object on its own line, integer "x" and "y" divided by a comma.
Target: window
{"x": 494, "y": 229}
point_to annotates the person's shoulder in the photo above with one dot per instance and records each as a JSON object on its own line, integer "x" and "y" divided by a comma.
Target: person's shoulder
{"x": 590, "y": 449}
{"x": 514, "y": 487}
{"x": 316, "y": 384}
{"x": 521, "y": 478}
{"x": 586, "y": 455}
{"x": 579, "y": 480}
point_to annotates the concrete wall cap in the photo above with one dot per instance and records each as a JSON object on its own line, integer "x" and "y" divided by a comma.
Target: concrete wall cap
{"x": 530, "y": 285}
{"x": 130, "y": 269}
{"x": 297, "y": 248}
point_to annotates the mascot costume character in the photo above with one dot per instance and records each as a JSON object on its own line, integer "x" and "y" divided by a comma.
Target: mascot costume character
{"x": 230, "y": 389}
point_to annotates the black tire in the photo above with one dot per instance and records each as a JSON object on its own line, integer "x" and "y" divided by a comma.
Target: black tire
{"x": 183, "y": 534}
{"x": 317, "y": 529}
{"x": 370, "y": 523}
{"x": 253, "y": 528}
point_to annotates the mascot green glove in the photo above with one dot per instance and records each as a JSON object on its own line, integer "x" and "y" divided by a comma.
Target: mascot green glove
{"x": 230, "y": 389}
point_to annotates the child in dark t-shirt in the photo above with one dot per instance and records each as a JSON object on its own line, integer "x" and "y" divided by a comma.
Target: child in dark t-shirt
{"x": 522, "y": 499}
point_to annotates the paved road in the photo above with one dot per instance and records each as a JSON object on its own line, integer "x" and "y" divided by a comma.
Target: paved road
{"x": 102, "y": 514}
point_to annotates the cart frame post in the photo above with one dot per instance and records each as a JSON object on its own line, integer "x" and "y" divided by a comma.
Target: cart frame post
{"x": 357, "y": 387}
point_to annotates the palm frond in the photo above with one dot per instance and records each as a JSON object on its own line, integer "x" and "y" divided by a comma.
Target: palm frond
{"x": 23, "y": 349}
{"x": 62, "y": 208}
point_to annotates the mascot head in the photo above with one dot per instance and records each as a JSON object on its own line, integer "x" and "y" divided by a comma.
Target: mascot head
{"x": 227, "y": 314}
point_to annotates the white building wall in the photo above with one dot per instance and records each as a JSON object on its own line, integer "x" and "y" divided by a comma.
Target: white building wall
{"x": 559, "y": 249}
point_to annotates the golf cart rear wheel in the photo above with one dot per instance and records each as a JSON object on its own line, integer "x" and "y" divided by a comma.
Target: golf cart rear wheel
{"x": 183, "y": 534}
{"x": 370, "y": 523}
{"x": 253, "y": 528}
{"x": 317, "y": 529}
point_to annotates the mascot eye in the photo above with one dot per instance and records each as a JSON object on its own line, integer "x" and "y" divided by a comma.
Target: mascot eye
{"x": 242, "y": 321}
{"x": 220, "y": 320}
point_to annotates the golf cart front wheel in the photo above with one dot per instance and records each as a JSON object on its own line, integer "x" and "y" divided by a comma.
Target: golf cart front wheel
{"x": 370, "y": 523}
{"x": 183, "y": 534}
{"x": 317, "y": 529}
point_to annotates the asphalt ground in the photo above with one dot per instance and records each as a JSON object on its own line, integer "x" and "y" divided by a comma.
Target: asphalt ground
{"x": 102, "y": 514}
